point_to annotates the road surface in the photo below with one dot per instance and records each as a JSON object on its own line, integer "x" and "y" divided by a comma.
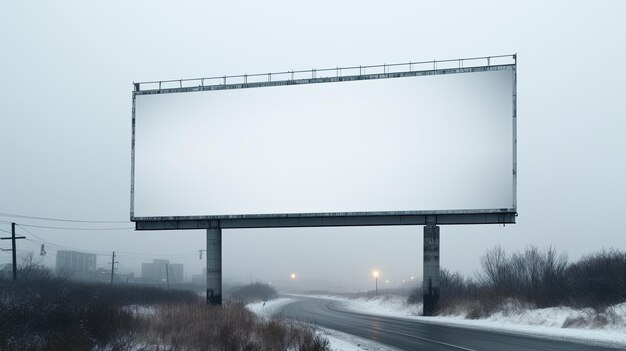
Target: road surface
{"x": 409, "y": 334}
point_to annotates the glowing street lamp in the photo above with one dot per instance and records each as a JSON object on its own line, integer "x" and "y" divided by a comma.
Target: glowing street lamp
{"x": 375, "y": 274}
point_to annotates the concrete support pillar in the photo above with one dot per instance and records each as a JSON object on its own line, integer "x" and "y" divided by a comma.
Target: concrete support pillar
{"x": 214, "y": 266}
{"x": 430, "y": 284}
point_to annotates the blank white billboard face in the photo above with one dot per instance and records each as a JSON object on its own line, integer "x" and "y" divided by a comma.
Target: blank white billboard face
{"x": 419, "y": 143}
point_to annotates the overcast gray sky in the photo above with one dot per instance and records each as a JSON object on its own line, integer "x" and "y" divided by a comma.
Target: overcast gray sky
{"x": 66, "y": 71}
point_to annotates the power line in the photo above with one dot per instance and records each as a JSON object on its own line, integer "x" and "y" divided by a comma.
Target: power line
{"x": 52, "y": 251}
{"x": 73, "y": 228}
{"x": 127, "y": 255}
{"x": 29, "y": 232}
{"x": 6, "y": 214}
{"x": 133, "y": 256}
{"x": 153, "y": 254}
{"x": 44, "y": 241}
{"x": 69, "y": 228}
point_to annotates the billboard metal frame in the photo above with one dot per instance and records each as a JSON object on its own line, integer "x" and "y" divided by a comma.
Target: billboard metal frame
{"x": 424, "y": 68}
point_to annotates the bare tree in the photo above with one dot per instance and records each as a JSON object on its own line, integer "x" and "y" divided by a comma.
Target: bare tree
{"x": 31, "y": 267}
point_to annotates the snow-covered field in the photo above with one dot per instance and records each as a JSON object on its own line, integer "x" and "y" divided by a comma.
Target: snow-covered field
{"x": 555, "y": 322}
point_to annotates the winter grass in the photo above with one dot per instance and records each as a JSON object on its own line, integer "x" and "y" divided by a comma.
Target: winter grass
{"x": 45, "y": 312}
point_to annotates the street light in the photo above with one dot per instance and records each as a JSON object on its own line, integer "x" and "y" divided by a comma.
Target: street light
{"x": 375, "y": 274}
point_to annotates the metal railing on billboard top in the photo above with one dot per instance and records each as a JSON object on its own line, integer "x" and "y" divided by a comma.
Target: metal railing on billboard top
{"x": 329, "y": 72}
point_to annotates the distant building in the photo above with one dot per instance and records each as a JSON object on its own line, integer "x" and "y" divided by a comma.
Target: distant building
{"x": 77, "y": 265}
{"x": 159, "y": 270}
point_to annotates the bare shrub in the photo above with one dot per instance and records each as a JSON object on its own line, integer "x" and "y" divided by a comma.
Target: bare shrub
{"x": 416, "y": 296}
{"x": 594, "y": 319}
{"x": 476, "y": 310}
{"x": 44, "y": 311}
{"x": 457, "y": 293}
{"x": 229, "y": 327}
{"x": 31, "y": 268}
{"x": 252, "y": 293}
{"x": 598, "y": 279}
{"x": 534, "y": 276}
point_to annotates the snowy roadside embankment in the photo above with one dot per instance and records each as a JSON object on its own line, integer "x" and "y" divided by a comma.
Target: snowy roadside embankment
{"x": 608, "y": 327}
{"x": 338, "y": 341}
{"x": 345, "y": 342}
{"x": 613, "y": 318}
{"x": 382, "y": 305}
{"x": 269, "y": 308}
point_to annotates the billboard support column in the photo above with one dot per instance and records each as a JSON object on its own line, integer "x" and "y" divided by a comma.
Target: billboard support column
{"x": 214, "y": 266}
{"x": 430, "y": 283}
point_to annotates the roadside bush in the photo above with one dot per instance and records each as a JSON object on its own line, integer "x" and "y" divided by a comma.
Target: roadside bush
{"x": 253, "y": 292}
{"x": 533, "y": 278}
{"x": 192, "y": 326}
{"x": 598, "y": 279}
{"x": 416, "y": 296}
{"x": 456, "y": 293}
{"x": 45, "y": 311}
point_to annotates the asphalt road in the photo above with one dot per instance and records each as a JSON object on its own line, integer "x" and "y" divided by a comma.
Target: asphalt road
{"x": 408, "y": 334}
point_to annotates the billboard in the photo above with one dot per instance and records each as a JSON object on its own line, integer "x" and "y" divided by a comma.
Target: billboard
{"x": 400, "y": 144}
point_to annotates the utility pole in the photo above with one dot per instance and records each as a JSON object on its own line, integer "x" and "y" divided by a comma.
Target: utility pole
{"x": 113, "y": 266}
{"x": 13, "y": 238}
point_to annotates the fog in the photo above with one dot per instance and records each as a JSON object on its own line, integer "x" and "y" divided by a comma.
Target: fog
{"x": 65, "y": 123}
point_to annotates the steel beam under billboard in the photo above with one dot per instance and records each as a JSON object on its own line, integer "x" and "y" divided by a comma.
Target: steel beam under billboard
{"x": 392, "y": 148}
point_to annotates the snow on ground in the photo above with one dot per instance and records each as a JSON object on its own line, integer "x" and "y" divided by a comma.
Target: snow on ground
{"x": 268, "y": 308}
{"x": 140, "y": 310}
{"x": 607, "y": 328}
{"x": 338, "y": 341}
{"x": 346, "y": 342}
{"x": 382, "y": 305}
{"x": 612, "y": 319}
